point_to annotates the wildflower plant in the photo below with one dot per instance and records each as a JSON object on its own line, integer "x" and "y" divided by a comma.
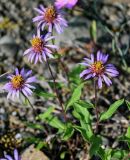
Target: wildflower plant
{"x": 80, "y": 118}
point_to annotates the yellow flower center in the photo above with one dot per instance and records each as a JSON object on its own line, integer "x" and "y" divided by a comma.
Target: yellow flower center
{"x": 97, "y": 67}
{"x": 17, "y": 81}
{"x": 50, "y": 14}
{"x": 37, "y": 44}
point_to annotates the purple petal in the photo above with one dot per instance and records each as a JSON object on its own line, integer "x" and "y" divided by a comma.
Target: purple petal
{"x": 22, "y": 72}
{"x": 92, "y": 58}
{"x": 107, "y": 80}
{"x": 16, "y": 71}
{"x": 50, "y": 27}
{"x": 28, "y": 73}
{"x": 38, "y": 10}
{"x": 8, "y": 157}
{"x": 88, "y": 76}
{"x": 105, "y": 58}
{"x": 27, "y": 51}
{"x": 51, "y": 46}
{"x": 99, "y": 82}
{"x": 31, "y": 79}
{"x": 98, "y": 55}
{"x": 16, "y": 154}
{"x": 38, "y": 18}
{"x": 85, "y": 72}
{"x": 44, "y": 56}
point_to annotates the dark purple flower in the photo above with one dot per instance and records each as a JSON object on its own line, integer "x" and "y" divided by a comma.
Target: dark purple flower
{"x": 97, "y": 67}
{"x": 16, "y": 156}
{"x": 40, "y": 48}
{"x": 20, "y": 82}
{"x": 50, "y": 17}
{"x": 65, "y": 3}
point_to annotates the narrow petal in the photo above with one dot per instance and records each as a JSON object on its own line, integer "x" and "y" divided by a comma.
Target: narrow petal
{"x": 38, "y": 18}
{"x": 16, "y": 71}
{"x": 99, "y": 82}
{"x": 38, "y": 10}
{"x": 92, "y": 58}
{"x": 50, "y": 27}
{"x": 8, "y": 157}
{"x": 16, "y": 157}
{"x": 85, "y": 72}
{"x": 88, "y": 76}
{"x": 51, "y": 46}
{"x": 28, "y": 51}
{"x": 31, "y": 79}
{"x": 107, "y": 80}
{"x": 44, "y": 56}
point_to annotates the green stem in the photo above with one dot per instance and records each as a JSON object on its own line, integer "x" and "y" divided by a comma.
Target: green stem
{"x": 56, "y": 91}
{"x": 95, "y": 104}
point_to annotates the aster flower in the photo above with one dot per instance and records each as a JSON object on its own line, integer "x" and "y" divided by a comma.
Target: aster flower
{"x": 65, "y": 3}
{"x": 97, "y": 67}
{"x": 20, "y": 82}
{"x": 50, "y": 17}
{"x": 40, "y": 48}
{"x": 16, "y": 156}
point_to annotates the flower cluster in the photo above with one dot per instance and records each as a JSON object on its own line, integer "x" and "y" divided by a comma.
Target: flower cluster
{"x": 21, "y": 82}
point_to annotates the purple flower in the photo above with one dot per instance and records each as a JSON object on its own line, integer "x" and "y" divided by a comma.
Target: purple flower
{"x": 8, "y": 157}
{"x": 40, "y": 48}
{"x": 97, "y": 67}
{"x": 50, "y": 17}
{"x": 20, "y": 82}
{"x": 65, "y": 3}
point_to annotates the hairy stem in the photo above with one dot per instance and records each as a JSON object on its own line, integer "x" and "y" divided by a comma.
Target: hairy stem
{"x": 30, "y": 104}
{"x": 56, "y": 91}
{"x": 95, "y": 104}
{"x": 65, "y": 69}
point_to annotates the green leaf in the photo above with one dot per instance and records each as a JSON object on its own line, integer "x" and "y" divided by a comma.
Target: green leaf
{"x": 41, "y": 144}
{"x": 112, "y": 109}
{"x": 95, "y": 145}
{"x": 128, "y": 136}
{"x": 46, "y": 114}
{"x": 83, "y": 115}
{"x": 119, "y": 154}
{"x": 56, "y": 123}
{"x": 75, "y": 96}
{"x": 128, "y": 132}
{"x": 68, "y": 132}
{"x": 85, "y": 104}
{"x": 41, "y": 93}
{"x": 82, "y": 131}
{"x": 34, "y": 125}
{"x": 93, "y": 31}
{"x": 128, "y": 104}
{"x": 62, "y": 155}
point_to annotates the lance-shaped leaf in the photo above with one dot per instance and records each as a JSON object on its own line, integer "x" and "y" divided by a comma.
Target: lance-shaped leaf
{"x": 112, "y": 109}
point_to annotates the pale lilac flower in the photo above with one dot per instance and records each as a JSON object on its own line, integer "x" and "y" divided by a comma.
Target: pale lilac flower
{"x": 16, "y": 156}
{"x": 97, "y": 67}
{"x": 20, "y": 82}
{"x": 40, "y": 48}
{"x": 65, "y": 3}
{"x": 50, "y": 17}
